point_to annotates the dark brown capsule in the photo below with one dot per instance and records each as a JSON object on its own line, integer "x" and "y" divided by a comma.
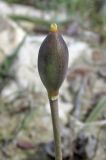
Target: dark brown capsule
{"x": 53, "y": 61}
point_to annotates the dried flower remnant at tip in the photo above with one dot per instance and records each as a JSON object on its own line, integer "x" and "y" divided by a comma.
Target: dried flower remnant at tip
{"x": 53, "y": 27}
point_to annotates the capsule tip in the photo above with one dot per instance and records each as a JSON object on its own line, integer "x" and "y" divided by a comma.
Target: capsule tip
{"x": 53, "y": 27}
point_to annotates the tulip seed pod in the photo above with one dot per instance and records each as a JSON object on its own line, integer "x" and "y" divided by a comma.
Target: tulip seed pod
{"x": 53, "y": 61}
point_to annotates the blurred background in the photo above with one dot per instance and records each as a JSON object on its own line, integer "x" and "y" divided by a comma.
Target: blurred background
{"x": 25, "y": 118}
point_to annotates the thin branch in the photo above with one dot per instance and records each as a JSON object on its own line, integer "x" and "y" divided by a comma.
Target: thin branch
{"x": 56, "y": 128}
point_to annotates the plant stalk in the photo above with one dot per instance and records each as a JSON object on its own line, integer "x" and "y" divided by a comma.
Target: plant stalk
{"x": 56, "y": 128}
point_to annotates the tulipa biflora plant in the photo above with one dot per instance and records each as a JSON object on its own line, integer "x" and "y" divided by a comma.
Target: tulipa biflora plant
{"x": 52, "y": 67}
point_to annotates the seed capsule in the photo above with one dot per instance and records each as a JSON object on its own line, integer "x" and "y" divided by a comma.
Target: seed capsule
{"x": 53, "y": 61}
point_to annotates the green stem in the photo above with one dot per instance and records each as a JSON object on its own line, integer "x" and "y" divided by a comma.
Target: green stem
{"x": 56, "y": 128}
